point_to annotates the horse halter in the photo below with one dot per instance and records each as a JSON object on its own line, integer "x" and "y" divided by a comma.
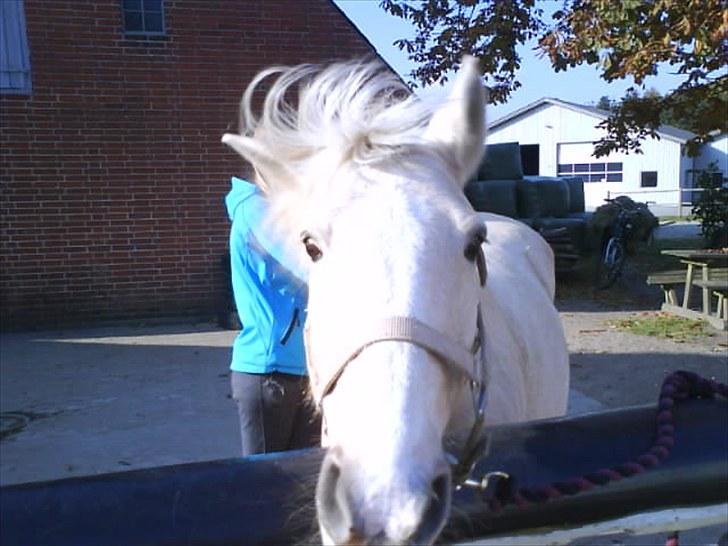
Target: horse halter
{"x": 469, "y": 363}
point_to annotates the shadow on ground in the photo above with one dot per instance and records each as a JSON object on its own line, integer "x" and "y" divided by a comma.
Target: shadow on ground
{"x": 627, "y": 379}
{"x": 82, "y": 405}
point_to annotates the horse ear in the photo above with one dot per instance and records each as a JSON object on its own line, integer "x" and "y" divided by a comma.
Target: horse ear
{"x": 460, "y": 123}
{"x": 270, "y": 173}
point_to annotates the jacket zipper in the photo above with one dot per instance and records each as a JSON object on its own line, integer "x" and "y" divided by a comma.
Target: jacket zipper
{"x": 291, "y": 326}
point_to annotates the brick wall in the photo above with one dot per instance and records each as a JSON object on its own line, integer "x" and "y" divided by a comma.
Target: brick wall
{"x": 112, "y": 175}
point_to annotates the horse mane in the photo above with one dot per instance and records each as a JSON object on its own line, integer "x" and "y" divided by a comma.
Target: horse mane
{"x": 360, "y": 109}
{"x": 314, "y": 118}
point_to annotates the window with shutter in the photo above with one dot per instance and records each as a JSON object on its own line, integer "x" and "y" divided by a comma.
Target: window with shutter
{"x": 14, "y": 53}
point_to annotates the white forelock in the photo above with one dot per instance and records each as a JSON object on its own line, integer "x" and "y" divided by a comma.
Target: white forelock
{"x": 316, "y": 119}
{"x": 361, "y": 110}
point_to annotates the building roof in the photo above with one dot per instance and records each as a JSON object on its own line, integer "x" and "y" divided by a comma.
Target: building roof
{"x": 378, "y": 54}
{"x": 666, "y": 131}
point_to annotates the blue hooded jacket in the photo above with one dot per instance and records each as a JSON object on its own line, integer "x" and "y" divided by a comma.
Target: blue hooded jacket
{"x": 270, "y": 300}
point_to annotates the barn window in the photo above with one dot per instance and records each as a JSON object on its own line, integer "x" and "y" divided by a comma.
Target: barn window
{"x": 565, "y": 168}
{"x": 593, "y": 172}
{"x": 578, "y": 159}
{"x": 143, "y": 16}
{"x": 649, "y": 179}
{"x": 614, "y": 172}
{"x": 14, "y": 53}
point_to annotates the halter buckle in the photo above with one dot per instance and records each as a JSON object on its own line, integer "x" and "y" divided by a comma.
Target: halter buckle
{"x": 485, "y": 482}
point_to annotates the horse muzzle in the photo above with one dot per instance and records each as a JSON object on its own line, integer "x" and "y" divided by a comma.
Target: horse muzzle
{"x": 402, "y": 515}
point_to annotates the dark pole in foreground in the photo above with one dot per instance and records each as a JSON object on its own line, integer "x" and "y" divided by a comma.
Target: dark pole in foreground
{"x": 268, "y": 500}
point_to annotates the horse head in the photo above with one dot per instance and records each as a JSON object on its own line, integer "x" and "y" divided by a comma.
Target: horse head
{"x": 366, "y": 182}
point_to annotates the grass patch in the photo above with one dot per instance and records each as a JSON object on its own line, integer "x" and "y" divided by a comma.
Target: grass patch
{"x": 663, "y": 325}
{"x": 677, "y": 219}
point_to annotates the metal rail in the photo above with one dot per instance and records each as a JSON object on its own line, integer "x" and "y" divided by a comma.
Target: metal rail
{"x": 267, "y": 500}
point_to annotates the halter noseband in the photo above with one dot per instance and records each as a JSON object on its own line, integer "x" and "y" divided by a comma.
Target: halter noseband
{"x": 418, "y": 333}
{"x": 467, "y": 362}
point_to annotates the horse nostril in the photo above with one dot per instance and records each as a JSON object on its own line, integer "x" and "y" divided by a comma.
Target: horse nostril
{"x": 332, "y": 504}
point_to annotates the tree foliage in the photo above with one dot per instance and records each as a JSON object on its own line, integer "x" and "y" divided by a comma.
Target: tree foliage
{"x": 626, "y": 39}
{"x": 711, "y": 207}
{"x": 447, "y": 29}
{"x": 605, "y": 103}
{"x": 682, "y": 118}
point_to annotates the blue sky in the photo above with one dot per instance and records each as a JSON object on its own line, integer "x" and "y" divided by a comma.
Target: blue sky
{"x": 581, "y": 85}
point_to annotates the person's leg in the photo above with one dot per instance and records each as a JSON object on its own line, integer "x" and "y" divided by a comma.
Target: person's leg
{"x": 278, "y": 410}
{"x": 275, "y": 414}
{"x": 247, "y": 393}
{"x": 306, "y": 430}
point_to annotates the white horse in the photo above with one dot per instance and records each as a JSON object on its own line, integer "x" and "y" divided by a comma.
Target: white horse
{"x": 366, "y": 184}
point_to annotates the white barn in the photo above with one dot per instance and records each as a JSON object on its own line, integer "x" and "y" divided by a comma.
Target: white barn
{"x": 557, "y": 138}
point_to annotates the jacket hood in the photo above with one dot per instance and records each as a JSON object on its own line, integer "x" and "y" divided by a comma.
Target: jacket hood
{"x": 242, "y": 189}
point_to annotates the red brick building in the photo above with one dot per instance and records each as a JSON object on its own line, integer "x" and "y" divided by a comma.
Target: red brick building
{"x": 112, "y": 174}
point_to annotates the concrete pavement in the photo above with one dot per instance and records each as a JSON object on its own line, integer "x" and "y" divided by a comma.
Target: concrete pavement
{"x": 87, "y": 401}
{"x": 82, "y": 402}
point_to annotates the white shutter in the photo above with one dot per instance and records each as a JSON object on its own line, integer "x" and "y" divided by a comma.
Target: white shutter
{"x": 14, "y": 54}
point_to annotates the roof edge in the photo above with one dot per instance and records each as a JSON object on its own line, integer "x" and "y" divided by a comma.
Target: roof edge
{"x": 589, "y": 110}
{"x": 371, "y": 45}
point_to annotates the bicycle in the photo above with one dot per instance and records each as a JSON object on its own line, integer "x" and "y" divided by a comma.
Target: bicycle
{"x": 613, "y": 252}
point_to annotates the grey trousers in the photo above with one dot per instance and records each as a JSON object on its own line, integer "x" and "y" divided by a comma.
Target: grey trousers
{"x": 275, "y": 412}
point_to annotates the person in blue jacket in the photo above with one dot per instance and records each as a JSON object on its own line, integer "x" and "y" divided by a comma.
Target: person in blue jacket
{"x": 268, "y": 369}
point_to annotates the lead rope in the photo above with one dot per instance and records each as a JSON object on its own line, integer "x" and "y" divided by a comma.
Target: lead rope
{"x": 681, "y": 385}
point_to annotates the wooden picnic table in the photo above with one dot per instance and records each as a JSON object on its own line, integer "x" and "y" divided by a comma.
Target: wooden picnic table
{"x": 712, "y": 265}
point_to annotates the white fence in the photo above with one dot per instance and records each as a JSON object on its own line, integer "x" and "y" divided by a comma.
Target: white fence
{"x": 680, "y": 205}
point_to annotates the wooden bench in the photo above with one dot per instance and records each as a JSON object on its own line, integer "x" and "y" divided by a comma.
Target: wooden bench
{"x": 710, "y": 280}
{"x": 719, "y": 288}
{"x": 713, "y": 284}
{"x": 668, "y": 280}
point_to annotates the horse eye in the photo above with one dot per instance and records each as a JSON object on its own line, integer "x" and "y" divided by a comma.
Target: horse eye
{"x": 312, "y": 249}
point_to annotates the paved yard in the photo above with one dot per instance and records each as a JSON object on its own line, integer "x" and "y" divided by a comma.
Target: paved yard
{"x": 110, "y": 399}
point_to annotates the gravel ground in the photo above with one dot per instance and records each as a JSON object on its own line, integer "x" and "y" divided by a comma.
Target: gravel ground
{"x": 619, "y": 368}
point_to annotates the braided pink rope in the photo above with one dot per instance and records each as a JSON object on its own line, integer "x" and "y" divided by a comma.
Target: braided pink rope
{"x": 678, "y": 386}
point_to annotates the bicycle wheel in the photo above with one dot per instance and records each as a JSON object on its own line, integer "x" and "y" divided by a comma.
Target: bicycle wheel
{"x": 609, "y": 266}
